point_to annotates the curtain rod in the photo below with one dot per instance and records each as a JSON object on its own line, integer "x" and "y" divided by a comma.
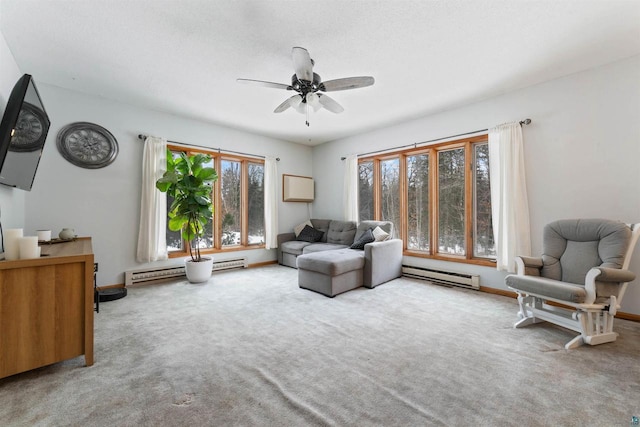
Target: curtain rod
{"x": 522, "y": 122}
{"x": 143, "y": 137}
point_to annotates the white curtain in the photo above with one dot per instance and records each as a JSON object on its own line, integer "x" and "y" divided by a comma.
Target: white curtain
{"x": 350, "y": 196}
{"x": 152, "y": 238}
{"x": 509, "y": 205}
{"x": 270, "y": 202}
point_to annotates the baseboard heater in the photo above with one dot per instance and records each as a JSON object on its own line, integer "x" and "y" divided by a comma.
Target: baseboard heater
{"x": 443, "y": 277}
{"x": 147, "y": 275}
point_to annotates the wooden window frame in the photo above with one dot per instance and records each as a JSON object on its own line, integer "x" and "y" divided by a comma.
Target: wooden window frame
{"x": 432, "y": 150}
{"x": 217, "y": 200}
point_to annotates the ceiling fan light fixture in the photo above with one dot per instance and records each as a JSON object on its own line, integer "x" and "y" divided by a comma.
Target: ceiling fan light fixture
{"x": 313, "y": 101}
{"x": 306, "y": 83}
{"x": 295, "y": 101}
{"x": 301, "y": 108}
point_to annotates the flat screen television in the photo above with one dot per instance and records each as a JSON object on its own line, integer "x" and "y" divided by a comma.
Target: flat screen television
{"x": 23, "y": 132}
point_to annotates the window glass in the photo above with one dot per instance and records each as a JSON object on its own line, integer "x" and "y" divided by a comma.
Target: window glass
{"x": 365, "y": 191}
{"x": 390, "y": 192}
{"x": 207, "y": 240}
{"x": 256, "y": 203}
{"x": 238, "y": 208}
{"x": 174, "y": 238}
{"x": 418, "y": 202}
{"x": 230, "y": 189}
{"x": 484, "y": 246}
{"x": 445, "y": 186}
{"x": 451, "y": 212}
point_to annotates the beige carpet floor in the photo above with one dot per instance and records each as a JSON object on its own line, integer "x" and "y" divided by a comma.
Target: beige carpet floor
{"x": 249, "y": 348}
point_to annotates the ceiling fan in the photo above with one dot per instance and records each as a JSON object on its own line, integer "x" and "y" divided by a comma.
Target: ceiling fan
{"x": 310, "y": 86}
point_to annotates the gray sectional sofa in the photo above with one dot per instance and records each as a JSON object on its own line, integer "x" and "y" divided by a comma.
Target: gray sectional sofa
{"x": 330, "y": 267}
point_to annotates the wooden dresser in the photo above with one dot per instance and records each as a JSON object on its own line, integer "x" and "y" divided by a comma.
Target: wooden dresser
{"x": 46, "y": 307}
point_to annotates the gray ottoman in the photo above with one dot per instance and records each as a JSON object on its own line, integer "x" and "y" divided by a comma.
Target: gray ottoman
{"x": 331, "y": 272}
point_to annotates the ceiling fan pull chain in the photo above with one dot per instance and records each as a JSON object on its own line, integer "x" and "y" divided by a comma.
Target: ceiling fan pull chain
{"x": 307, "y": 109}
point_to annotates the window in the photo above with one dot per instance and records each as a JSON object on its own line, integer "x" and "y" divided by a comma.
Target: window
{"x": 418, "y": 202}
{"x": 365, "y": 190}
{"x": 256, "y": 203}
{"x": 438, "y": 198}
{"x": 230, "y": 202}
{"x": 484, "y": 246}
{"x": 174, "y": 238}
{"x": 451, "y": 203}
{"x": 238, "y": 205}
{"x": 390, "y": 190}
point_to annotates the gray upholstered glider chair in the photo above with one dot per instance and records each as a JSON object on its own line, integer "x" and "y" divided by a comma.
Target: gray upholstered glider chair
{"x": 584, "y": 267}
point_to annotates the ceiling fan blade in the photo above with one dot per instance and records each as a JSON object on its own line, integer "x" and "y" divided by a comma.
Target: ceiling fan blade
{"x": 302, "y": 64}
{"x": 294, "y": 101}
{"x": 282, "y": 107}
{"x": 330, "y": 104}
{"x": 265, "y": 84}
{"x": 346, "y": 83}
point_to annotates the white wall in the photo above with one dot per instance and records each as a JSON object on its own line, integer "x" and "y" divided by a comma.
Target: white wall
{"x": 582, "y": 152}
{"x": 104, "y": 203}
{"x": 11, "y": 200}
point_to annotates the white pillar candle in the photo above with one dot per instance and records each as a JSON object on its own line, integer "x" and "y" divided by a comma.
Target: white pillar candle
{"x": 28, "y": 247}
{"x": 44, "y": 235}
{"x": 11, "y": 246}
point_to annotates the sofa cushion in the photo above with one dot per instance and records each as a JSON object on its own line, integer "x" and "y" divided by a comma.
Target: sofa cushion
{"x": 332, "y": 263}
{"x": 319, "y": 247}
{"x": 547, "y": 287}
{"x": 322, "y": 225}
{"x": 367, "y": 237}
{"x": 380, "y": 235}
{"x": 310, "y": 234}
{"x": 341, "y": 232}
{"x": 294, "y": 247}
{"x": 387, "y": 226}
{"x": 298, "y": 228}
{"x": 572, "y": 247}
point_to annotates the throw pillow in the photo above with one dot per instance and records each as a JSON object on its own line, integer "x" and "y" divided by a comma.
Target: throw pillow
{"x": 380, "y": 235}
{"x": 298, "y": 228}
{"x": 309, "y": 234}
{"x": 367, "y": 237}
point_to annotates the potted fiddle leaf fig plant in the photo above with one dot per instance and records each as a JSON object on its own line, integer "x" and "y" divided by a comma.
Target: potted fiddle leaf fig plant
{"x": 188, "y": 181}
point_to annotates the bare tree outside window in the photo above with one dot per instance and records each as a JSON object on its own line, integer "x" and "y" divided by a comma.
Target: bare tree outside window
{"x": 207, "y": 240}
{"x": 451, "y": 212}
{"x": 438, "y": 197}
{"x": 418, "y": 202}
{"x": 256, "y": 203}
{"x": 484, "y": 245}
{"x": 365, "y": 191}
{"x": 230, "y": 182}
{"x": 390, "y": 194}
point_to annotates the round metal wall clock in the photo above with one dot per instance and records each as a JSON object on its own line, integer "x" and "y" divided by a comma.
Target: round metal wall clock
{"x": 30, "y": 129}
{"x": 87, "y": 145}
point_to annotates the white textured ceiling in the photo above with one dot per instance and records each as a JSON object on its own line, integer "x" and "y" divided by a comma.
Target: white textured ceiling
{"x": 183, "y": 57}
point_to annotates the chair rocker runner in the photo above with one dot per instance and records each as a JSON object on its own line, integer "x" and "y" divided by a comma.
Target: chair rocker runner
{"x": 584, "y": 268}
